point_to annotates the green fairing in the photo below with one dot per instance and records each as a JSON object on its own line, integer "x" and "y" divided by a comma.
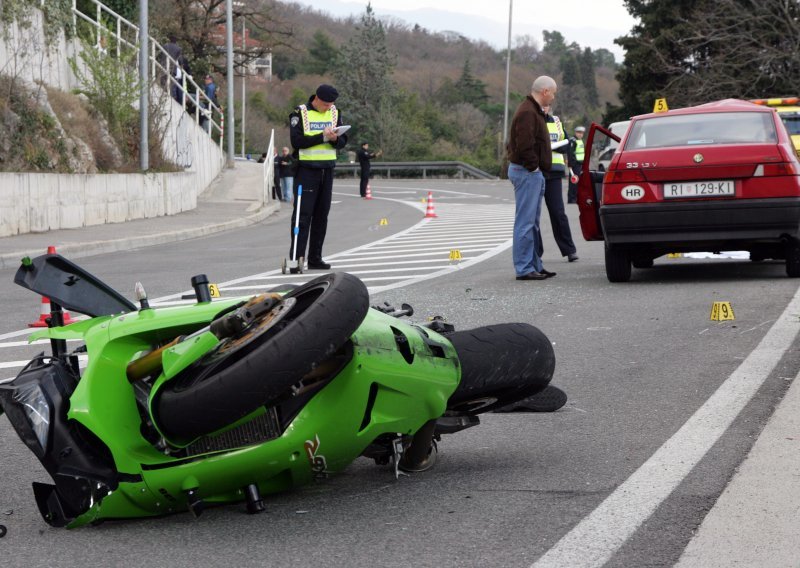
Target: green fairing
{"x": 331, "y": 430}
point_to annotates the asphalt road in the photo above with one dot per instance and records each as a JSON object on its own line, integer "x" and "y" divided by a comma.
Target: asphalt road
{"x": 637, "y": 359}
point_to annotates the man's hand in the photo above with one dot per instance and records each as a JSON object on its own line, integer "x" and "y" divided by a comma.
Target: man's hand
{"x": 329, "y": 135}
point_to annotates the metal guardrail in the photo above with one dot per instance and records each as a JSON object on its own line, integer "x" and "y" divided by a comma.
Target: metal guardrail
{"x": 460, "y": 169}
{"x": 126, "y": 33}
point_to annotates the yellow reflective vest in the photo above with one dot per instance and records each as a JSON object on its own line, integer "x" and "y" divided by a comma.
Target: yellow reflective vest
{"x": 579, "y": 150}
{"x": 556, "y": 130}
{"x": 314, "y": 123}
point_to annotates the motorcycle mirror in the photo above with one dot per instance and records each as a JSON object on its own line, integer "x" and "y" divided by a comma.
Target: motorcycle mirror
{"x": 141, "y": 295}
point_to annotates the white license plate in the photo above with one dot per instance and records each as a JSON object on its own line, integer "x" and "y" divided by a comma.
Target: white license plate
{"x": 699, "y": 189}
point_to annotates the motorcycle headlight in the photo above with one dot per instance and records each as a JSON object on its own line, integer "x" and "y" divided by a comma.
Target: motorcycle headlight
{"x": 32, "y": 400}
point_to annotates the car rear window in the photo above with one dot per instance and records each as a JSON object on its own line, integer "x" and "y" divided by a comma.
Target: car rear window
{"x": 792, "y": 121}
{"x": 700, "y": 129}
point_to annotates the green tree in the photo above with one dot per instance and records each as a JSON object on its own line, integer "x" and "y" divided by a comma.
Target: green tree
{"x": 656, "y": 39}
{"x": 364, "y": 74}
{"x": 570, "y": 71}
{"x": 554, "y": 43}
{"x": 322, "y": 54}
{"x": 471, "y": 89}
{"x": 586, "y": 64}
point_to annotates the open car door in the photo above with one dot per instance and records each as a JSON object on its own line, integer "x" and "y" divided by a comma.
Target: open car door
{"x": 599, "y": 149}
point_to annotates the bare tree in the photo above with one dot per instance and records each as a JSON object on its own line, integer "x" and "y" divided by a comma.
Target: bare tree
{"x": 199, "y": 25}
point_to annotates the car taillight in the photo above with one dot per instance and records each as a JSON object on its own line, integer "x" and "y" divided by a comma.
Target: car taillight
{"x": 623, "y": 176}
{"x": 779, "y": 169}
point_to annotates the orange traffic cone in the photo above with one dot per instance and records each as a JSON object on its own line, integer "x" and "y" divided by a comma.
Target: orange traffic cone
{"x": 44, "y": 311}
{"x": 429, "y": 212}
{"x": 369, "y": 193}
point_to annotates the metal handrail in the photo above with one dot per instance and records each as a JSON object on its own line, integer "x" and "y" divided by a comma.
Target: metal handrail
{"x": 462, "y": 167}
{"x": 122, "y": 24}
{"x": 269, "y": 168}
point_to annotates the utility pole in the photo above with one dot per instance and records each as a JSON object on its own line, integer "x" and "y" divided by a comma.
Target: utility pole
{"x": 508, "y": 73}
{"x": 229, "y": 48}
{"x": 144, "y": 86}
{"x": 244, "y": 76}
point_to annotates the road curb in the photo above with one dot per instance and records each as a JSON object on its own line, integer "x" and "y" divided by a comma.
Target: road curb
{"x": 91, "y": 248}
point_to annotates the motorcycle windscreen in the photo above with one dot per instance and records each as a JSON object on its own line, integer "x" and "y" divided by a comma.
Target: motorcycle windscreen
{"x": 70, "y": 286}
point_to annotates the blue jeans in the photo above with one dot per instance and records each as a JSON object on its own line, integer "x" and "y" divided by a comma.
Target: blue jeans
{"x": 528, "y": 193}
{"x": 287, "y": 183}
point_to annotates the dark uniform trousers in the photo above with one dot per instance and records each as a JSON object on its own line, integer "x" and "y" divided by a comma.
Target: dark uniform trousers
{"x": 554, "y": 199}
{"x": 572, "y": 191}
{"x": 315, "y": 203}
{"x": 365, "y": 169}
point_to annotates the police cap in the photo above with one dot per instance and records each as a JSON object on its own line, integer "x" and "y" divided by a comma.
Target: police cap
{"x": 580, "y": 129}
{"x": 327, "y": 93}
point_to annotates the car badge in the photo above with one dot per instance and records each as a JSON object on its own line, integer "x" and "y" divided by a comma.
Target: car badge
{"x": 698, "y": 158}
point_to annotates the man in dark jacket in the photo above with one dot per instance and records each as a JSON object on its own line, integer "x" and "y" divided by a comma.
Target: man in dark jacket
{"x": 364, "y": 156}
{"x": 312, "y": 130}
{"x": 529, "y": 154}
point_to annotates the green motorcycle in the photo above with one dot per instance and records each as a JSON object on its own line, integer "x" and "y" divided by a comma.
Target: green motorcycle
{"x": 161, "y": 410}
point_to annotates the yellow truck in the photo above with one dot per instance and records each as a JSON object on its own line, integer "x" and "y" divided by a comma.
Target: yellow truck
{"x": 788, "y": 109}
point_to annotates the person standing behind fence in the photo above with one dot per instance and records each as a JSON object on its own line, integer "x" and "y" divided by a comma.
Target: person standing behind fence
{"x": 210, "y": 90}
{"x": 311, "y": 129}
{"x": 287, "y": 174}
{"x": 364, "y": 156}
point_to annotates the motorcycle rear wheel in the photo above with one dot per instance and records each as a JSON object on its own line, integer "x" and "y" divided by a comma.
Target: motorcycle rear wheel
{"x": 244, "y": 373}
{"x": 500, "y": 364}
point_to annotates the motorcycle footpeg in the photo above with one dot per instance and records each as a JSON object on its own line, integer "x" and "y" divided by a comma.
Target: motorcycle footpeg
{"x": 452, "y": 424}
{"x": 194, "y": 503}
{"x": 255, "y": 504}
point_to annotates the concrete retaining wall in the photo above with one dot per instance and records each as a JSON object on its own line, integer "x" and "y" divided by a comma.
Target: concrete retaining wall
{"x": 24, "y": 54}
{"x": 43, "y": 202}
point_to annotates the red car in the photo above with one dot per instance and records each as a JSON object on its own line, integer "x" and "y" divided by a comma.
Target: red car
{"x": 715, "y": 177}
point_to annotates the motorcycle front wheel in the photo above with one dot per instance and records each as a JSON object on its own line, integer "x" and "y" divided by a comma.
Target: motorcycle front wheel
{"x": 259, "y": 365}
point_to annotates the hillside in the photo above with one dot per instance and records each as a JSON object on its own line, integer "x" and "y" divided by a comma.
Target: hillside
{"x": 429, "y": 76}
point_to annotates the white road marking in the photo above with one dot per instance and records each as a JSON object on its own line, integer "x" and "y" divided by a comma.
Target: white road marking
{"x": 594, "y": 540}
{"x": 415, "y": 254}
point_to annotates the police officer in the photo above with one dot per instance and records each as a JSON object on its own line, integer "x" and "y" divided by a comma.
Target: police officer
{"x": 311, "y": 130}
{"x": 364, "y": 156}
{"x": 576, "y": 153}
{"x": 553, "y": 195}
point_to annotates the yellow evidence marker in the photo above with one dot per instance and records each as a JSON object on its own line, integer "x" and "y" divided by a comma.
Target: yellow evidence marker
{"x": 674, "y": 255}
{"x": 455, "y": 254}
{"x": 213, "y": 289}
{"x": 660, "y": 105}
{"x": 383, "y": 221}
{"x": 721, "y": 311}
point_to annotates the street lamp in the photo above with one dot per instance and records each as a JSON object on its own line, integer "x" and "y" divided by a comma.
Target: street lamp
{"x": 508, "y": 72}
{"x": 144, "y": 85}
{"x": 229, "y": 49}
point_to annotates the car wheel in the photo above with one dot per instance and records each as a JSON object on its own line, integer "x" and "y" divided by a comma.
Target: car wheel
{"x": 643, "y": 263}
{"x": 793, "y": 258}
{"x": 618, "y": 264}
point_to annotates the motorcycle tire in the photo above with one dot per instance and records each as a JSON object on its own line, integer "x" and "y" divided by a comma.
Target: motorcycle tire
{"x": 500, "y": 364}
{"x": 227, "y": 384}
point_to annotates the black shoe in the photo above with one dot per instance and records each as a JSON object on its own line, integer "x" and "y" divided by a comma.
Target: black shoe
{"x": 318, "y": 265}
{"x": 547, "y": 273}
{"x": 294, "y": 270}
{"x": 532, "y": 276}
{"x": 572, "y": 257}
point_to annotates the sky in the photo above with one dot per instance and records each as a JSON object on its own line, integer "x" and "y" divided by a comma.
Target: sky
{"x": 590, "y": 23}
